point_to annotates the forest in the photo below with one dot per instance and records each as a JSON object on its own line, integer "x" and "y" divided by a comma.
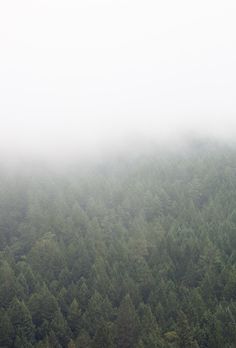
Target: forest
{"x": 136, "y": 251}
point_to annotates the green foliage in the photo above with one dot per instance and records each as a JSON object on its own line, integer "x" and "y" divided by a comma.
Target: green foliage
{"x": 8, "y": 284}
{"x": 21, "y": 321}
{"x": 43, "y": 306}
{"x": 186, "y": 339}
{"x": 127, "y": 324}
{"x": 83, "y": 340}
{"x": 132, "y": 253}
{"x": 6, "y": 330}
{"x": 74, "y": 317}
{"x": 104, "y": 336}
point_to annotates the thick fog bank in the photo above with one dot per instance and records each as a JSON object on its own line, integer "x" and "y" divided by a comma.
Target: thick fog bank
{"x": 70, "y": 139}
{"x": 85, "y": 79}
{"x": 129, "y": 149}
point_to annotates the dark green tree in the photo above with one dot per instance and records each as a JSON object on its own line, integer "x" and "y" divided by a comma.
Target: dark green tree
{"x": 127, "y": 324}
{"x": 6, "y": 330}
{"x": 21, "y": 321}
{"x": 74, "y": 317}
{"x": 186, "y": 339}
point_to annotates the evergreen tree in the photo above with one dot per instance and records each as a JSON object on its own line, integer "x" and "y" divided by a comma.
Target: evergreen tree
{"x": 74, "y": 317}
{"x": 94, "y": 313}
{"x": 60, "y": 328}
{"x": 7, "y": 284}
{"x": 104, "y": 336}
{"x": 6, "y": 330}
{"x": 21, "y": 321}
{"x": 127, "y": 324}
{"x": 83, "y": 340}
{"x": 186, "y": 339}
{"x": 149, "y": 330}
{"x": 43, "y": 305}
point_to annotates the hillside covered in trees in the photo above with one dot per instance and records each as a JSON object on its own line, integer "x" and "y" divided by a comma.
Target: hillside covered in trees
{"x": 135, "y": 252}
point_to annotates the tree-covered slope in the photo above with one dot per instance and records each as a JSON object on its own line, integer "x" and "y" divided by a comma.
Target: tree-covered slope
{"x": 132, "y": 252}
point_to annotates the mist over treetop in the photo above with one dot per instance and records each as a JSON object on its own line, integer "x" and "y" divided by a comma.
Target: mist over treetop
{"x": 82, "y": 82}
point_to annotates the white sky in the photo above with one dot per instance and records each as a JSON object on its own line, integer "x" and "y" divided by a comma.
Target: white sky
{"x": 80, "y": 73}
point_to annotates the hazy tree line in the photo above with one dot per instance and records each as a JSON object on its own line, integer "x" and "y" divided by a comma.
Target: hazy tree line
{"x": 137, "y": 252}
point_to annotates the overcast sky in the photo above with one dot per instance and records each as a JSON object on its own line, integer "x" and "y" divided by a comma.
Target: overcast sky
{"x": 75, "y": 74}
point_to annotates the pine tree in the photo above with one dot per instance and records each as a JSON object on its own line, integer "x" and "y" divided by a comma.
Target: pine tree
{"x": 74, "y": 317}
{"x": 93, "y": 314}
{"x": 83, "y": 294}
{"x": 83, "y": 340}
{"x": 149, "y": 331}
{"x": 186, "y": 339}
{"x": 103, "y": 337}
{"x": 21, "y": 320}
{"x": 60, "y": 328}
{"x": 7, "y": 284}
{"x": 6, "y": 330}
{"x": 42, "y": 306}
{"x": 127, "y": 324}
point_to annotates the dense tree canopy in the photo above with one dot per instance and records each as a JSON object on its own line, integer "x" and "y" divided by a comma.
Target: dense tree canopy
{"x": 131, "y": 252}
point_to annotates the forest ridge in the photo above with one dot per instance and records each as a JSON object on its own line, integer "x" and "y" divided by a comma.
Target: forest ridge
{"x": 129, "y": 253}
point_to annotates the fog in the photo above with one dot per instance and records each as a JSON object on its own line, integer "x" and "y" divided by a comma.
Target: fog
{"x": 78, "y": 78}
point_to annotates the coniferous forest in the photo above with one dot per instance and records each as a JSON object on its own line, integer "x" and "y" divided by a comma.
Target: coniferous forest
{"x": 130, "y": 252}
